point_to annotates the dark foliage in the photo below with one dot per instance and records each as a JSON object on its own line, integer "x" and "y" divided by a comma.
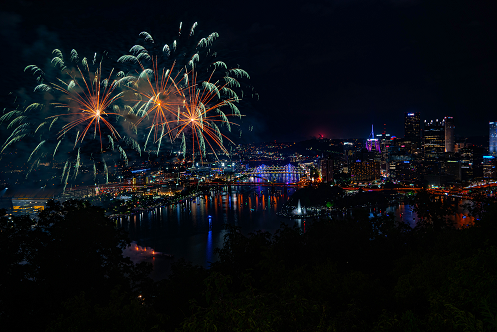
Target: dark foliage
{"x": 71, "y": 248}
{"x": 356, "y": 274}
{"x": 359, "y": 274}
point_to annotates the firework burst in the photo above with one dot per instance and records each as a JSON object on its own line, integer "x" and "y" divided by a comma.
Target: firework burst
{"x": 185, "y": 97}
{"x": 88, "y": 98}
{"x": 85, "y": 119}
{"x": 201, "y": 116}
{"x": 155, "y": 95}
{"x": 75, "y": 102}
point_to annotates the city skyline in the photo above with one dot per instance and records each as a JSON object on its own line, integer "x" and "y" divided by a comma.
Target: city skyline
{"x": 320, "y": 68}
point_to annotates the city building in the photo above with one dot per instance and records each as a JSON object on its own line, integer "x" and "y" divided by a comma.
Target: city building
{"x": 492, "y": 138}
{"x": 365, "y": 170}
{"x": 449, "y": 134}
{"x": 326, "y": 166}
{"x": 385, "y": 142}
{"x": 403, "y": 171}
{"x": 372, "y": 143}
{"x": 30, "y": 201}
{"x": 488, "y": 165}
{"x": 471, "y": 158}
{"x": 412, "y": 126}
{"x": 453, "y": 169}
{"x": 458, "y": 146}
{"x": 412, "y": 133}
{"x": 434, "y": 138}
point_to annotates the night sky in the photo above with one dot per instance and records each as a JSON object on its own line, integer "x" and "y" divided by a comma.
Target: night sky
{"x": 320, "y": 67}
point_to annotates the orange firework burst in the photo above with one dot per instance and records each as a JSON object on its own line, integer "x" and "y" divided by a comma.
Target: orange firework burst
{"x": 200, "y": 114}
{"x": 160, "y": 96}
{"x": 88, "y": 98}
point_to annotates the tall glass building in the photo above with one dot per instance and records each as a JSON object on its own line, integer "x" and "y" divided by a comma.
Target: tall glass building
{"x": 434, "y": 138}
{"x": 412, "y": 126}
{"x": 492, "y": 138}
{"x": 449, "y": 134}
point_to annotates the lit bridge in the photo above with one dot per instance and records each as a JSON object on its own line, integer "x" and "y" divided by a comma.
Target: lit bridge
{"x": 264, "y": 175}
{"x": 262, "y": 170}
{"x": 270, "y": 176}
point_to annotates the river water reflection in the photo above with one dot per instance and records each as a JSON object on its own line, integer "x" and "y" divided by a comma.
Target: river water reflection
{"x": 405, "y": 213}
{"x": 193, "y": 228}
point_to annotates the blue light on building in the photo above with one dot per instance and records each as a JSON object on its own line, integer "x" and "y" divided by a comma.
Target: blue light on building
{"x": 492, "y": 138}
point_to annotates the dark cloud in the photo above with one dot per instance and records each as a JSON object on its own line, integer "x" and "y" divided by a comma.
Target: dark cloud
{"x": 46, "y": 41}
{"x": 9, "y": 25}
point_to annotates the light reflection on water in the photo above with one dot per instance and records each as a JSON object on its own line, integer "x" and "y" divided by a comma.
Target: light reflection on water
{"x": 405, "y": 213}
{"x": 193, "y": 228}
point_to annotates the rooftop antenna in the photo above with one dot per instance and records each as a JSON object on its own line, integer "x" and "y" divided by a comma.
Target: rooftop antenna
{"x": 372, "y": 132}
{"x": 372, "y": 141}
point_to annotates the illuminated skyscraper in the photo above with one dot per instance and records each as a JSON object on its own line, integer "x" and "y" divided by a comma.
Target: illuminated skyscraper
{"x": 365, "y": 170}
{"x": 434, "y": 138}
{"x": 492, "y": 138}
{"x": 449, "y": 134}
{"x": 327, "y": 170}
{"x": 372, "y": 142}
{"x": 412, "y": 126}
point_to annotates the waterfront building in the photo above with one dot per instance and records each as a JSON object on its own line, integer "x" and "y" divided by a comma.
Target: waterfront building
{"x": 30, "y": 201}
{"x": 449, "y": 134}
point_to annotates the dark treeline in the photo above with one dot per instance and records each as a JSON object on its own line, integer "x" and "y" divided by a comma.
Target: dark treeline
{"x": 66, "y": 272}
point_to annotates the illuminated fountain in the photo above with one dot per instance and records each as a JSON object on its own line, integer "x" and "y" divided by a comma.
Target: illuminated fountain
{"x": 299, "y": 210}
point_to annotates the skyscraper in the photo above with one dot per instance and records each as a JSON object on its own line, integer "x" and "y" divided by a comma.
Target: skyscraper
{"x": 449, "y": 134}
{"x": 412, "y": 126}
{"x": 372, "y": 143}
{"x": 327, "y": 170}
{"x": 492, "y": 138}
{"x": 434, "y": 138}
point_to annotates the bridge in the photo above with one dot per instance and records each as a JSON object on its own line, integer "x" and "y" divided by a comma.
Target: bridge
{"x": 262, "y": 184}
{"x": 275, "y": 170}
{"x": 265, "y": 175}
{"x": 461, "y": 193}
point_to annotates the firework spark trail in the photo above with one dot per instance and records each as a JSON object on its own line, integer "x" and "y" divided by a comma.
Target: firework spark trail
{"x": 91, "y": 103}
{"x": 183, "y": 93}
{"x": 201, "y": 111}
{"x": 89, "y": 100}
{"x": 160, "y": 96}
{"x": 176, "y": 100}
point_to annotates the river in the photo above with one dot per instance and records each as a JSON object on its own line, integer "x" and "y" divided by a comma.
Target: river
{"x": 405, "y": 213}
{"x": 192, "y": 229}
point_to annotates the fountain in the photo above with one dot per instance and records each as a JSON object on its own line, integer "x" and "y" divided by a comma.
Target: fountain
{"x": 299, "y": 210}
